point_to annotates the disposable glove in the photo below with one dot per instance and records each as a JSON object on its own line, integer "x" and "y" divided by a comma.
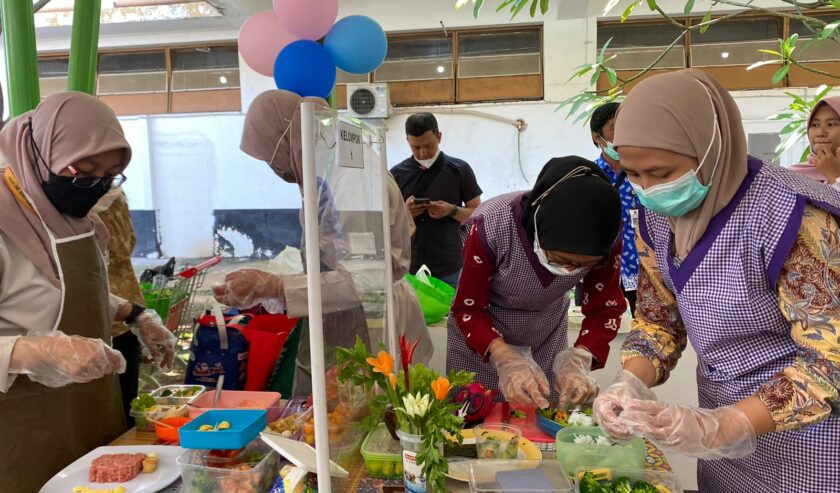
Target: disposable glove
{"x": 156, "y": 341}
{"x": 55, "y": 359}
{"x": 247, "y": 288}
{"x": 609, "y": 404}
{"x": 721, "y": 433}
{"x": 572, "y": 378}
{"x": 521, "y": 379}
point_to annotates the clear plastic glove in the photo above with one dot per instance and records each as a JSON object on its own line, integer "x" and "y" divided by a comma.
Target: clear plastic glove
{"x": 521, "y": 379}
{"x": 609, "y": 404}
{"x": 246, "y": 288}
{"x": 722, "y": 433}
{"x": 157, "y": 342}
{"x": 55, "y": 359}
{"x": 572, "y": 378}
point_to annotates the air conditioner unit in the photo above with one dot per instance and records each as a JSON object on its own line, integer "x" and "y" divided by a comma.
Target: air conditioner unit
{"x": 368, "y": 100}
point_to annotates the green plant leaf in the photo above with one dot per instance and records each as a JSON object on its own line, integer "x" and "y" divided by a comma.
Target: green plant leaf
{"x": 517, "y": 7}
{"x": 544, "y": 6}
{"x": 594, "y": 79}
{"x": 604, "y": 50}
{"x": 780, "y": 74}
{"x": 821, "y": 92}
{"x": 534, "y": 8}
{"x": 581, "y": 72}
{"x": 611, "y": 4}
{"x": 706, "y": 18}
{"x": 829, "y": 30}
{"x": 689, "y": 5}
{"x": 781, "y": 116}
{"x": 836, "y": 4}
{"x": 629, "y": 10}
{"x": 504, "y": 4}
{"x": 612, "y": 77}
{"x": 797, "y": 99}
{"x": 805, "y": 154}
{"x": 790, "y": 127}
{"x": 577, "y": 105}
{"x": 770, "y": 52}
{"x": 477, "y": 8}
{"x": 652, "y": 4}
{"x": 761, "y": 64}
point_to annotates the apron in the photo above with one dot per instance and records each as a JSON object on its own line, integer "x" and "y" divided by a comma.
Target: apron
{"x": 528, "y": 304}
{"x": 727, "y": 297}
{"x": 44, "y": 428}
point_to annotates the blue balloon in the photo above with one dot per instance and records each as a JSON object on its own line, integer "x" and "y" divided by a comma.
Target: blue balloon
{"x": 357, "y": 44}
{"x": 305, "y": 68}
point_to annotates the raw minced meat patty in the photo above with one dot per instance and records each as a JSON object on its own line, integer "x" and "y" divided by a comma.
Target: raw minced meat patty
{"x": 116, "y": 468}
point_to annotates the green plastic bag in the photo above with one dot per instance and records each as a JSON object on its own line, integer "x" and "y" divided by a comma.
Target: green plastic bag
{"x": 435, "y": 295}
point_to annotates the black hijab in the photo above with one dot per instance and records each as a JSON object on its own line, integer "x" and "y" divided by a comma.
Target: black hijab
{"x": 581, "y": 215}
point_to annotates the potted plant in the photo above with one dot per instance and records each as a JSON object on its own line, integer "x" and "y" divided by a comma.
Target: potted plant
{"x": 419, "y": 397}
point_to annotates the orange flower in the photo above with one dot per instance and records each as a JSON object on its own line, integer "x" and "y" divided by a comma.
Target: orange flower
{"x": 393, "y": 379}
{"x": 383, "y": 363}
{"x": 441, "y": 388}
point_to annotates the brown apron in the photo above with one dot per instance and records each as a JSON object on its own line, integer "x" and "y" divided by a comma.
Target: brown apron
{"x": 45, "y": 429}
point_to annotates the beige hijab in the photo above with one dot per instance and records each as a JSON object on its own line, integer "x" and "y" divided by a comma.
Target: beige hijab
{"x": 682, "y": 112}
{"x": 67, "y": 127}
{"x": 272, "y": 131}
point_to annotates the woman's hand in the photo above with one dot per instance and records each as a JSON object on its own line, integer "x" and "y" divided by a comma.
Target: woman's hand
{"x": 245, "y": 288}
{"x": 828, "y": 162}
{"x": 521, "y": 379}
{"x": 572, "y": 378}
{"x": 55, "y": 359}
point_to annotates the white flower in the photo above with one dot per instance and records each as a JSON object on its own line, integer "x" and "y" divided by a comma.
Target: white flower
{"x": 416, "y": 405}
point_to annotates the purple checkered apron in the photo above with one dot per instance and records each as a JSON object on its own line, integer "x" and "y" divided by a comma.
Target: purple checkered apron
{"x": 726, "y": 292}
{"x": 528, "y": 304}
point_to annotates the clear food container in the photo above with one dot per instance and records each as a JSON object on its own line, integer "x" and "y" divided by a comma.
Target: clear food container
{"x": 157, "y": 413}
{"x": 382, "y": 454}
{"x": 238, "y": 399}
{"x": 663, "y": 481}
{"x": 178, "y": 394}
{"x": 518, "y": 476}
{"x": 254, "y": 471}
{"x": 574, "y": 455}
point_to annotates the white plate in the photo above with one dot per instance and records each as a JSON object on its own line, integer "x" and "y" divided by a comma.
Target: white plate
{"x": 76, "y": 474}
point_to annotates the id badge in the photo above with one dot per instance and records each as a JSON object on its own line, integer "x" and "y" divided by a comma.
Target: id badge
{"x": 634, "y": 218}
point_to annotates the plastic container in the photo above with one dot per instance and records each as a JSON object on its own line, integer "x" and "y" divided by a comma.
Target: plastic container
{"x": 382, "y": 454}
{"x": 238, "y": 399}
{"x": 574, "y": 455}
{"x": 199, "y": 476}
{"x": 178, "y": 399}
{"x": 158, "y": 413}
{"x": 497, "y": 441}
{"x": 666, "y": 482}
{"x": 170, "y": 434}
{"x": 245, "y": 426}
{"x": 519, "y": 476}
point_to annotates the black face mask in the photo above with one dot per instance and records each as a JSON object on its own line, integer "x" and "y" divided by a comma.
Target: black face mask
{"x": 70, "y": 199}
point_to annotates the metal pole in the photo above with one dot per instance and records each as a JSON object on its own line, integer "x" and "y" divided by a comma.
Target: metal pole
{"x": 391, "y": 330}
{"x": 313, "y": 285}
{"x": 21, "y": 57}
{"x": 84, "y": 46}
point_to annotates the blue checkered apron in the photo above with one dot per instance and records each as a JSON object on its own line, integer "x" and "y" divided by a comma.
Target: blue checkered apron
{"x": 528, "y": 309}
{"x": 726, "y": 292}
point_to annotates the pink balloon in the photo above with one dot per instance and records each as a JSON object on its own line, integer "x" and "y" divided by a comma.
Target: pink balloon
{"x": 261, "y": 38}
{"x": 308, "y": 19}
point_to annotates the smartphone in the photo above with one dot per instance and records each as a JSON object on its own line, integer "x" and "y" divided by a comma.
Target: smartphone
{"x": 422, "y": 201}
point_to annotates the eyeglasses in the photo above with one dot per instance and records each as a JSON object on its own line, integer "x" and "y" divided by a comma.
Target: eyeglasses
{"x": 83, "y": 180}
{"x": 575, "y": 173}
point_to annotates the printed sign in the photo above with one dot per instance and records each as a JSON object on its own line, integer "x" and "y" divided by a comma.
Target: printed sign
{"x": 350, "y": 150}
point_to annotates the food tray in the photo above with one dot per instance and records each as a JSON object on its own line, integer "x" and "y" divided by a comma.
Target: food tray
{"x": 574, "y": 455}
{"x": 238, "y": 399}
{"x": 199, "y": 477}
{"x": 160, "y": 412}
{"x": 518, "y": 476}
{"x": 175, "y": 388}
{"x": 382, "y": 454}
{"x": 665, "y": 482}
{"x": 245, "y": 426}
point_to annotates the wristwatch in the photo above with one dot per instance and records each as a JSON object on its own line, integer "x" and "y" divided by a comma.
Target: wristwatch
{"x": 454, "y": 211}
{"x": 136, "y": 310}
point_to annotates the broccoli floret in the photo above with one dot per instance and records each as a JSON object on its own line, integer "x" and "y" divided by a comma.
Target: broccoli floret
{"x": 203, "y": 482}
{"x": 622, "y": 485}
{"x": 588, "y": 484}
{"x": 643, "y": 487}
{"x": 143, "y": 402}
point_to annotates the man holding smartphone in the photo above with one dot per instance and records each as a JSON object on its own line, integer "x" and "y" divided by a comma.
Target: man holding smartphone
{"x": 440, "y": 192}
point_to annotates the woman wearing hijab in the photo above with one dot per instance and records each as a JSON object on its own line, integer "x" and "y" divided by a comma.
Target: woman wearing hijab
{"x": 272, "y": 134}
{"x": 523, "y": 252}
{"x": 824, "y": 138}
{"x": 59, "y": 393}
{"x": 743, "y": 259}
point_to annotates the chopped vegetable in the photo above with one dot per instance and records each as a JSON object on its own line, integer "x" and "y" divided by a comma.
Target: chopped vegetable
{"x": 622, "y": 485}
{"x": 590, "y": 440}
{"x": 143, "y": 402}
{"x": 590, "y": 484}
{"x": 578, "y": 417}
{"x": 518, "y": 414}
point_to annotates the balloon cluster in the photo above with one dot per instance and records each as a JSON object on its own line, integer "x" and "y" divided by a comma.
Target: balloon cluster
{"x": 300, "y": 44}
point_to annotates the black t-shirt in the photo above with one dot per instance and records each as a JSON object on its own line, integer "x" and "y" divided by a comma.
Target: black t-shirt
{"x": 436, "y": 242}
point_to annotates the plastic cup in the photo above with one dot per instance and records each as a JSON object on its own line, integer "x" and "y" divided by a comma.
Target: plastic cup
{"x": 497, "y": 441}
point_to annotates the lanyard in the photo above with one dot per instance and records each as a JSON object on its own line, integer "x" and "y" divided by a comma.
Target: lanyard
{"x": 14, "y": 186}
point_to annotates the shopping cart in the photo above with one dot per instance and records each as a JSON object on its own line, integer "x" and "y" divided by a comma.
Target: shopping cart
{"x": 173, "y": 298}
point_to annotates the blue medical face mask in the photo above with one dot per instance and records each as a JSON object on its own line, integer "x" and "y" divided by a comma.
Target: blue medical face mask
{"x": 686, "y": 193}
{"x": 609, "y": 150}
